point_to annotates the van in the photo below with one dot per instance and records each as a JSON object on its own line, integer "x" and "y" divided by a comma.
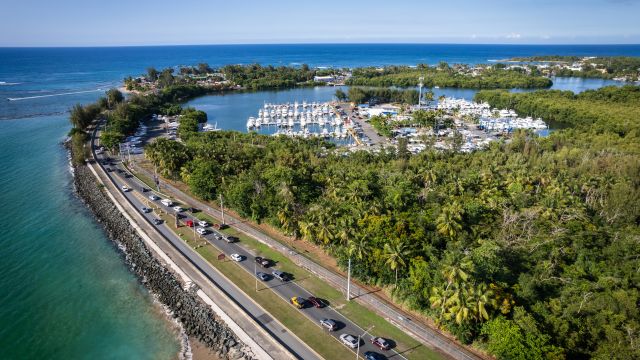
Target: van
{"x": 166, "y": 202}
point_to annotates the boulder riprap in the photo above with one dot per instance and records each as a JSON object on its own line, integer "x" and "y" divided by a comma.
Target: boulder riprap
{"x": 197, "y": 318}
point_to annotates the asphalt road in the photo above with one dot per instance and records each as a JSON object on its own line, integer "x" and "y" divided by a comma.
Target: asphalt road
{"x": 286, "y": 290}
{"x": 278, "y": 331}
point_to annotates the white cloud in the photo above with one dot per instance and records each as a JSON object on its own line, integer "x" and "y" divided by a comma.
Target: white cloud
{"x": 514, "y": 36}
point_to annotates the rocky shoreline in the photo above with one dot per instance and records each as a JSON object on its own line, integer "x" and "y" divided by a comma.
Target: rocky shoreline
{"x": 197, "y": 319}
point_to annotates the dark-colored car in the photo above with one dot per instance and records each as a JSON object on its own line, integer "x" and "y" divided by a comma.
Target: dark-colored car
{"x": 315, "y": 301}
{"x": 230, "y": 239}
{"x": 144, "y": 189}
{"x": 370, "y": 355}
{"x": 381, "y": 343}
{"x": 156, "y": 221}
{"x": 264, "y": 262}
{"x": 109, "y": 169}
{"x": 262, "y": 276}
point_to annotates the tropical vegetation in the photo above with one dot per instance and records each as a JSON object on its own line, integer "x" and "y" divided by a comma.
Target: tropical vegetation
{"x": 527, "y": 249}
{"x": 443, "y": 75}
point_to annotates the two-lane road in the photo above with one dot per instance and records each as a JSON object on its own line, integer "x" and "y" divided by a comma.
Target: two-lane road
{"x": 286, "y": 290}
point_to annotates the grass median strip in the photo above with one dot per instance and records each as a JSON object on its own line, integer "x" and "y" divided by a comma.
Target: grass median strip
{"x": 312, "y": 334}
{"x": 406, "y": 345}
{"x": 359, "y": 314}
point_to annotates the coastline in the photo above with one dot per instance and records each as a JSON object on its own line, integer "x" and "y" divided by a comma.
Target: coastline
{"x": 201, "y": 333}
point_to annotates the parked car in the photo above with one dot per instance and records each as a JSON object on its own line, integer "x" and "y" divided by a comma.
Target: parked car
{"x": 143, "y": 189}
{"x": 349, "y": 340}
{"x": 236, "y": 257}
{"x": 156, "y": 221}
{"x": 315, "y": 301}
{"x": 145, "y": 209}
{"x": 153, "y": 197}
{"x": 189, "y": 223}
{"x": 298, "y": 302}
{"x": 262, "y": 276}
{"x": 280, "y": 275}
{"x": 167, "y": 202}
{"x": 109, "y": 169}
{"x": 328, "y": 324}
{"x": 178, "y": 209}
{"x": 264, "y": 262}
{"x": 370, "y": 355}
{"x": 203, "y": 223}
{"x": 201, "y": 231}
{"x": 381, "y": 343}
{"x": 125, "y": 188}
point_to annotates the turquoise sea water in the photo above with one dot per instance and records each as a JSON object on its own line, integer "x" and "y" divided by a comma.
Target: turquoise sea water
{"x": 66, "y": 293}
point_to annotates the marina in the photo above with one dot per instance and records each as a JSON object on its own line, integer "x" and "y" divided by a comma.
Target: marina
{"x": 305, "y": 119}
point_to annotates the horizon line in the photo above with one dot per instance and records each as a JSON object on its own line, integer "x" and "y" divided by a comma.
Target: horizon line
{"x": 310, "y": 43}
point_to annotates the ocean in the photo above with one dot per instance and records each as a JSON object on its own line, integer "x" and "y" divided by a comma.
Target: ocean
{"x": 66, "y": 292}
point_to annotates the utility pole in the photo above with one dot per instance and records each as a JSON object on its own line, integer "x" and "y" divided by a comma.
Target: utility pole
{"x": 360, "y": 336}
{"x": 255, "y": 273}
{"x": 222, "y": 209}
{"x": 420, "y": 94}
{"x": 349, "y": 282}
{"x": 155, "y": 177}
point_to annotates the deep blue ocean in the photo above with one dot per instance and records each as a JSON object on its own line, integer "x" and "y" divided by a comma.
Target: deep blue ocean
{"x": 65, "y": 290}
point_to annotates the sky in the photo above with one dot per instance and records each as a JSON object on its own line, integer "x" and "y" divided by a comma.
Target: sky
{"x": 163, "y": 22}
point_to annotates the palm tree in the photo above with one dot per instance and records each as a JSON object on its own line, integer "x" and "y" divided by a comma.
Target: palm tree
{"x": 358, "y": 247}
{"x": 449, "y": 221}
{"x": 395, "y": 255}
{"x": 480, "y": 298}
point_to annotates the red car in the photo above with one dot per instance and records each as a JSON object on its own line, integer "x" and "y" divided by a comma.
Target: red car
{"x": 381, "y": 343}
{"x": 315, "y": 301}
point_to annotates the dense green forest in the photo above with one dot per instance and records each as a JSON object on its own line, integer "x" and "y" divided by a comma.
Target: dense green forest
{"x": 257, "y": 77}
{"x": 607, "y": 67}
{"x": 359, "y": 95}
{"x": 445, "y": 76}
{"x": 529, "y": 249}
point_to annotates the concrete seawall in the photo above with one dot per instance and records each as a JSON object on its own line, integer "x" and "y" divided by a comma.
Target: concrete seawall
{"x": 197, "y": 318}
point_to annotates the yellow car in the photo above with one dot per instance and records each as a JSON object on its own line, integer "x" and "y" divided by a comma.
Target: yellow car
{"x": 298, "y": 302}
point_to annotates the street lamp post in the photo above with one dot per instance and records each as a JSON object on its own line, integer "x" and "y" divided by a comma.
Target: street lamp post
{"x": 359, "y": 337}
{"x": 349, "y": 281}
{"x": 222, "y": 209}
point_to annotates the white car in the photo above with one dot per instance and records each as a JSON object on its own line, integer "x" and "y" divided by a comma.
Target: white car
{"x": 145, "y": 210}
{"x": 237, "y": 257}
{"x": 178, "y": 209}
{"x": 166, "y": 202}
{"x": 125, "y": 188}
{"x": 153, "y": 197}
{"x": 203, "y": 223}
{"x": 349, "y": 340}
{"x": 201, "y": 230}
